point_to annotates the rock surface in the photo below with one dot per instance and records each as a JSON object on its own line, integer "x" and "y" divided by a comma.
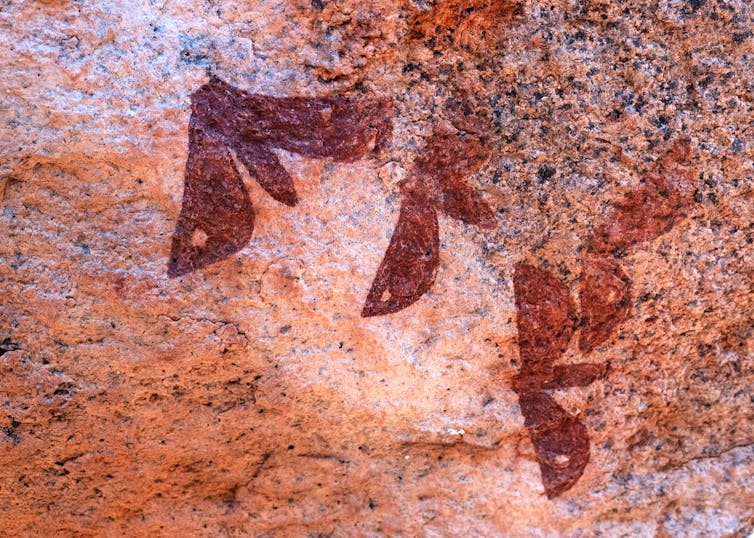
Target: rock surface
{"x": 250, "y": 398}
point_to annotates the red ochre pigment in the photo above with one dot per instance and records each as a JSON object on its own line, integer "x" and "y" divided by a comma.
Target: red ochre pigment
{"x": 217, "y": 220}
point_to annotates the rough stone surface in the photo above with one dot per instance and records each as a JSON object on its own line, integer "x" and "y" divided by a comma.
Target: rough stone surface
{"x": 250, "y": 398}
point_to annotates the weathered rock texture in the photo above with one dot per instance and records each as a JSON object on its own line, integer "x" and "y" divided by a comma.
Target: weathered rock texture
{"x": 251, "y": 398}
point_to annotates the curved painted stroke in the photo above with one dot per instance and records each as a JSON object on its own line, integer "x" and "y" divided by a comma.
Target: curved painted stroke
{"x": 435, "y": 184}
{"x": 561, "y": 441}
{"x": 605, "y": 300}
{"x": 216, "y": 217}
{"x": 409, "y": 267}
{"x": 651, "y": 209}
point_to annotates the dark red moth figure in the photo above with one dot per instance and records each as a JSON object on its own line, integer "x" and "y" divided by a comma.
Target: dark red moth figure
{"x": 547, "y": 317}
{"x": 217, "y": 218}
{"x": 434, "y": 184}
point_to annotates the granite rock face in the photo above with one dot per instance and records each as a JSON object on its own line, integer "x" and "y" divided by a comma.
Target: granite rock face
{"x": 612, "y": 142}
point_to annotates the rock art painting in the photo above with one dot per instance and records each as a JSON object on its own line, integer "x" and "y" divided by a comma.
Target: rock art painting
{"x": 217, "y": 220}
{"x": 434, "y": 184}
{"x": 377, "y": 268}
{"x": 651, "y": 209}
{"x": 605, "y": 300}
{"x": 546, "y": 322}
{"x": 547, "y": 317}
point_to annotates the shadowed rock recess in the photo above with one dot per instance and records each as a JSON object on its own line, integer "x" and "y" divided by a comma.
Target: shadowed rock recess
{"x": 367, "y": 268}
